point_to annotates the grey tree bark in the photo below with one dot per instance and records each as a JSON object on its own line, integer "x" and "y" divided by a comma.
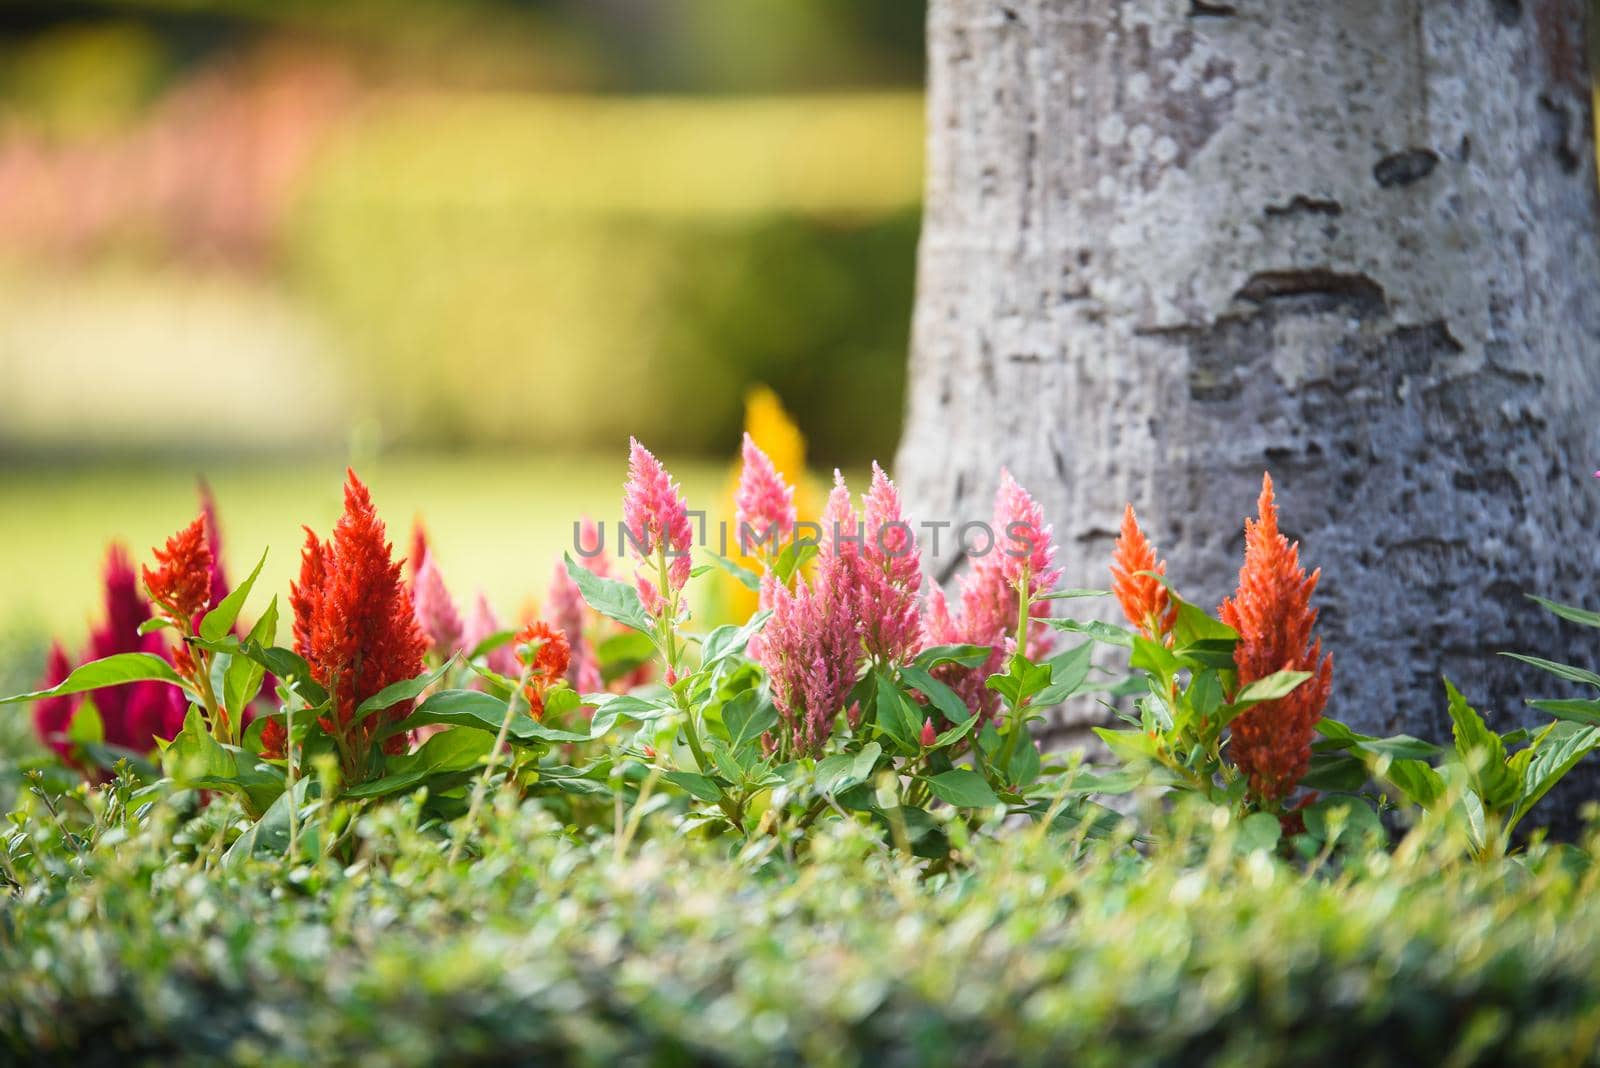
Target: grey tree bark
{"x": 1171, "y": 243}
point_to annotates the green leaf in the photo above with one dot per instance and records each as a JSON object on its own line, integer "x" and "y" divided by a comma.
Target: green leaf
{"x": 696, "y": 785}
{"x": 1568, "y": 612}
{"x": 1023, "y": 768}
{"x": 612, "y": 599}
{"x": 405, "y": 690}
{"x": 1270, "y": 687}
{"x": 446, "y": 753}
{"x": 728, "y": 640}
{"x": 1068, "y": 672}
{"x": 1338, "y": 772}
{"x": 243, "y": 678}
{"x": 839, "y": 772}
{"x": 220, "y": 620}
{"x": 1494, "y": 783}
{"x": 1209, "y": 652}
{"x": 747, "y": 717}
{"x": 1155, "y": 657}
{"x": 610, "y": 707}
{"x": 894, "y": 717}
{"x": 1205, "y": 696}
{"x": 1108, "y": 633}
{"x": 963, "y": 789}
{"x": 794, "y": 556}
{"x": 491, "y": 643}
{"x": 749, "y": 579}
{"x": 1062, "y": 595}
{"x": 194, "y": 755}
{"x": 966, "y": 655}
{"x": 942, "y": 697}
{"x": 270, "y": 833}
{"x": 484, "y": 713}
{"x": 1578, "y": 710}
{"x": 1130, "y": 746}
{"x": 86, "y": 727}
{"x": 116, "y": 670}
{"x": 1564, "y": 671}
{"x": 1557, "y": 752}
{"x": 1259, "y": 830}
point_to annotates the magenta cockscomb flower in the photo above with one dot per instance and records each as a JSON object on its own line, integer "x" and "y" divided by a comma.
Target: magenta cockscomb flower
{"x": 131, "y": 716}
{"x": 764, "y": 502}
{"x": 811, "y": 650}
{"x": 656, "y": 519}
{"x": 1023, "y": 539}
{"x": 889, "y": 576}
{"x": 436, "y": 611}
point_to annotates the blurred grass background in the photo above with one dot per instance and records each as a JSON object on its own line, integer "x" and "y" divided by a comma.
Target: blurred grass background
{"x": 470, "y": 246}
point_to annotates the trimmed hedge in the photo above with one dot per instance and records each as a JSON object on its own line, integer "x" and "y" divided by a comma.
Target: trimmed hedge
{"x": 1040, "y": 949}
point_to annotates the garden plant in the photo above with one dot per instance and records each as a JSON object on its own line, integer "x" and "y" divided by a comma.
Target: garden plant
{"x": 370, "y": 819}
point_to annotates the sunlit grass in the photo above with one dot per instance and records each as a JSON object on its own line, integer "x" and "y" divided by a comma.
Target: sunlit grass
{"x": 498, "y": 522}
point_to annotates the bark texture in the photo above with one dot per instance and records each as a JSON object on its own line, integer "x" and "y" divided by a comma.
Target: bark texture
{"x": 1170, "y": 244}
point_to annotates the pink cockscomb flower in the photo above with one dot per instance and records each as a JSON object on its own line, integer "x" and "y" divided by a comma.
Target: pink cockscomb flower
{"x": 482, "y": 624}
{"x": 990, "y": 607}
{"x": 811, "y": 649}
{"x": 565, "y": 609}
{"x": 656, "y": 520}
{"x": 436, "y": 611}
{"x": 763, "y": 504}
{"x": 1023, "y": 539}
{"x": 890, "y": 576}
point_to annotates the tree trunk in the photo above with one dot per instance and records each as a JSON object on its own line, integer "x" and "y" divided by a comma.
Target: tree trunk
{"x": 1170, "y": 244}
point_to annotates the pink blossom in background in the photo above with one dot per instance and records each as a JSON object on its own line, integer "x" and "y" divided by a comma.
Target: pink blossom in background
{"x": 764, "y": 503}
{"x": 483, "y": 623}
{"x": 565, "y": 609}
{"x": 436, "y": 612}
{"x": 811, "y": 648}
{"x": 656, "y": 516}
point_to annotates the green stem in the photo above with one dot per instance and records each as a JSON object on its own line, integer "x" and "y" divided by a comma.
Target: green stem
{"x": 482, "y": 786}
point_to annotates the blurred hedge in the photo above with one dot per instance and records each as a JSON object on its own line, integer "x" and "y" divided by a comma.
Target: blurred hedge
{"x": 571, "y": 270}
{"x": 551, "y": 950}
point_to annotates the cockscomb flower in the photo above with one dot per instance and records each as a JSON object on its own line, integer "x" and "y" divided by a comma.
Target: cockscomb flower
{"x": 811, "y": 649}
{"x": 181, "y": 583}
{"x": 419, "y": 550}
{"x": 656, "y": 518}
{"x": 131, "y": 716}
{"x": 591, "y": 548}
{"x": 545, "y": 654}
{"x": 764, "y": 503}
{"x": 565, "y": 607}
{"x": 890, "y": 576}
{"x": 355, "y": 626}
{"x": 482, "y": 624}
{"x": 436, "y": 610}
{"x": 1023, "y": 539}
{"x": 1271, "y": 610}
{"x": 1144, "y": 599}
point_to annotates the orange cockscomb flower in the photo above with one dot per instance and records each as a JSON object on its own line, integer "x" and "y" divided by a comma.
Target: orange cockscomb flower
{"x": 545, "y": 654}
{"x": 354, "y": 624}
{"x": 181, "y": 583}
{"x": 1271, "y": 610}
{"x": 1143, "y": 598}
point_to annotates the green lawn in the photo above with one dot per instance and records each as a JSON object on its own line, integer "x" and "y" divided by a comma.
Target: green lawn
{"x": 497, "y": 521}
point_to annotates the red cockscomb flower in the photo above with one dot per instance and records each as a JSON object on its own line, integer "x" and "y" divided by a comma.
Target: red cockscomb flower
{"x": 354, "y": 624}
{"x": 1271, "y": 742}
{"x": 546, "y": 654}
{"x": 1143, "y": 598}
{"x": 181, "y": 583}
